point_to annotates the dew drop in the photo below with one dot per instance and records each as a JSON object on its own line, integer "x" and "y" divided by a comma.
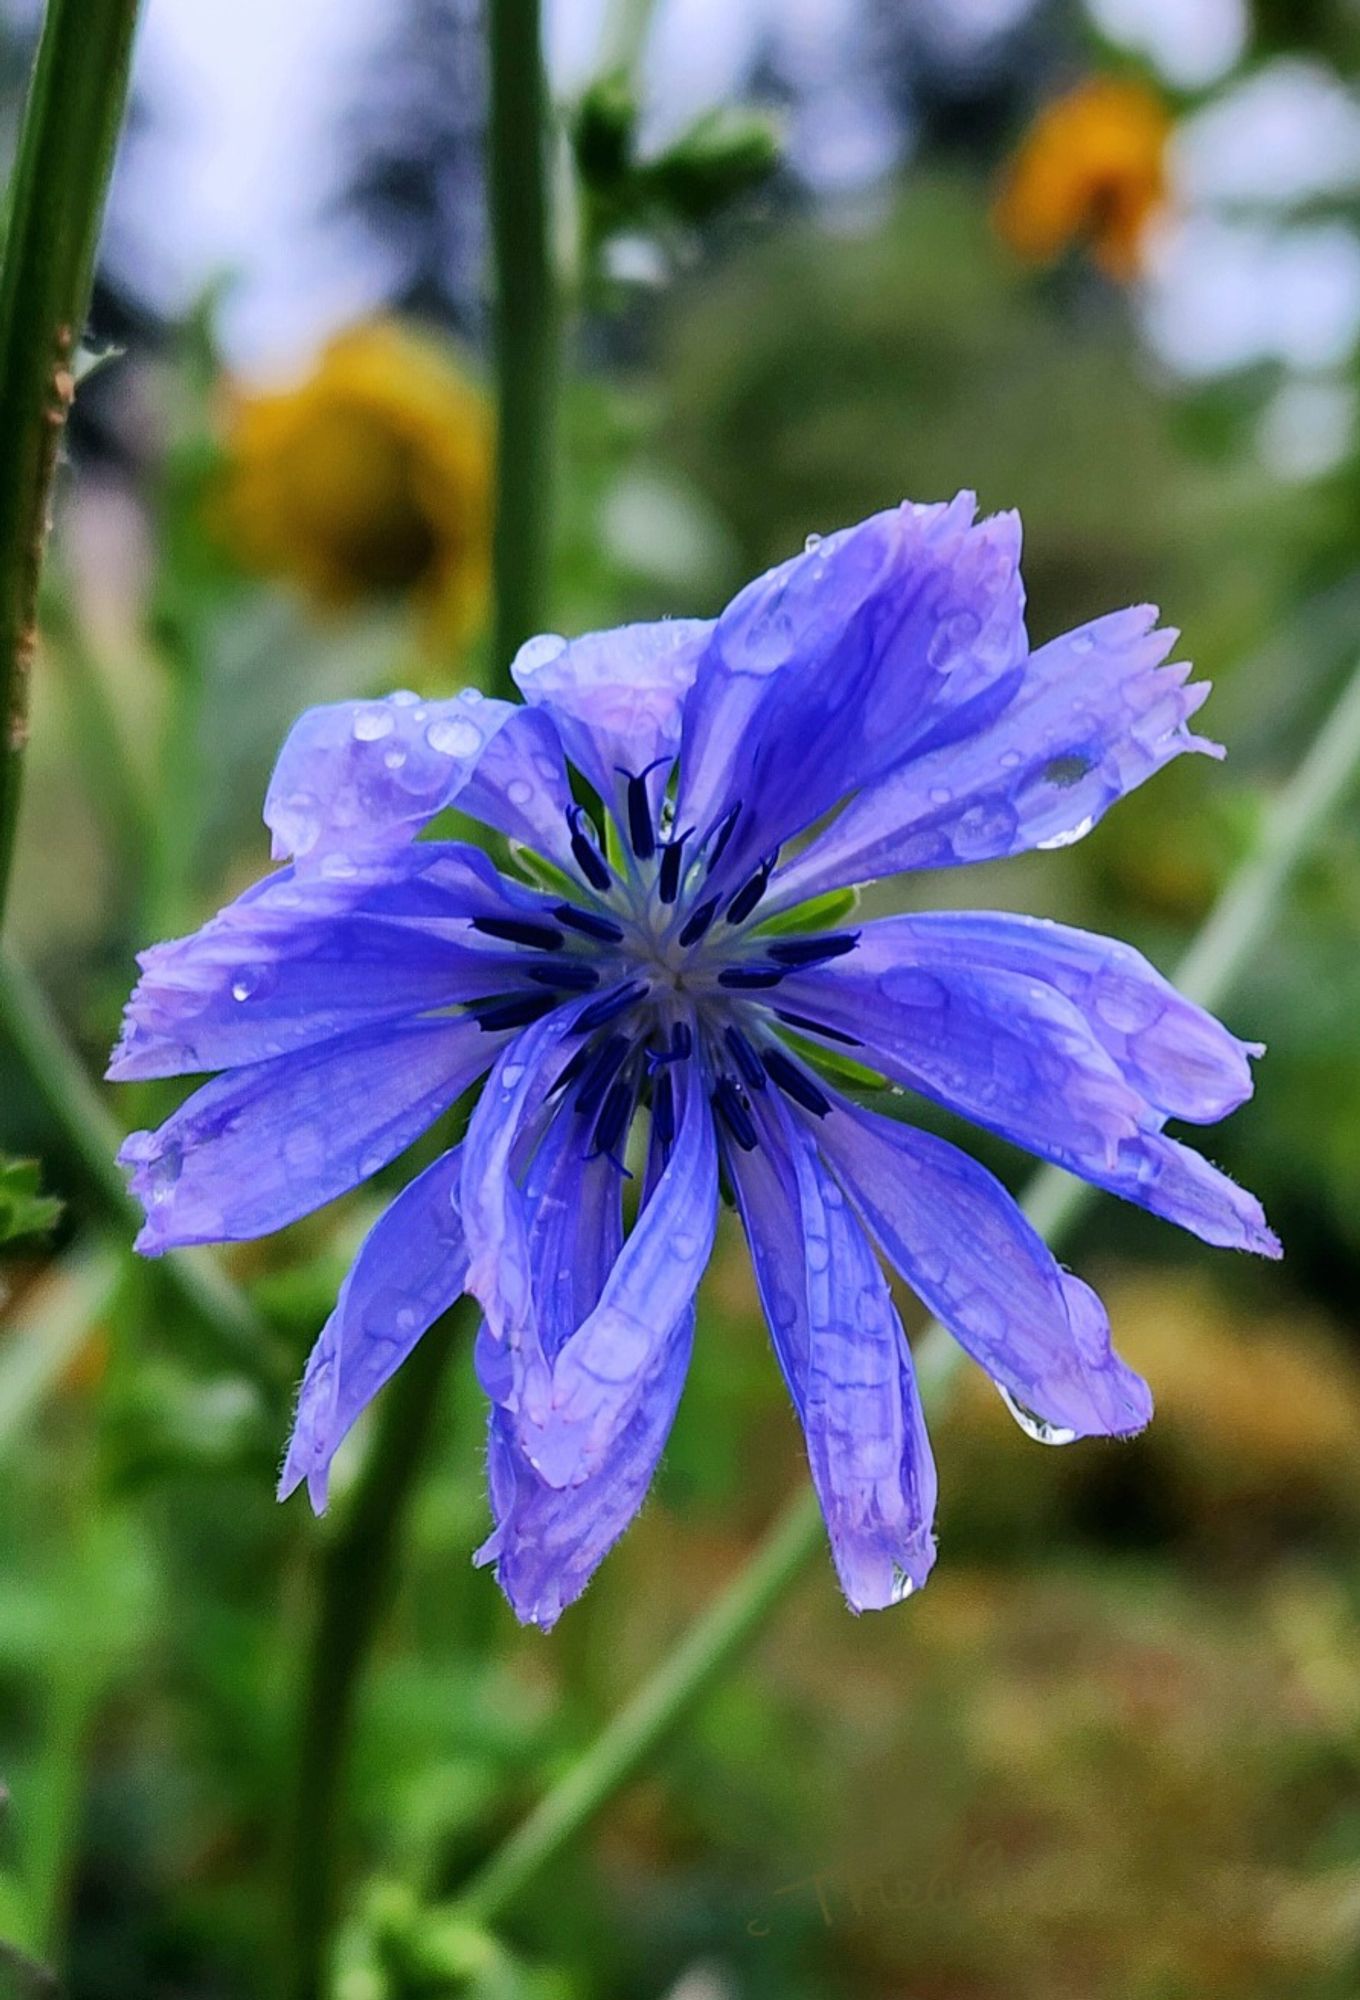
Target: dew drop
{"x": 519, "y": 792}
{"x": 540, "y": 652}
{"x": 1035, "y": 1426}
{"x": 372, "y": 724}
{"x": 812, "y": 542}
{"x": 1084, "y": 642}
{"x": 403, "y": 698}
{"x": 1070, "y": 835}
{"x": 682, "y": 1244}
{"x": 394, "y": 758}
{"x": 370, "y": 1165}
{"x": 454, "y": 736}
{"x": 338, "y": 868}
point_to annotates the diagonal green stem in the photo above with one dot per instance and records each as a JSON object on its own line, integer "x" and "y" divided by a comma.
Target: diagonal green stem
{"x": 70, "y": 130}
{"x": 357, "y": 1566}
{"x": 1235, "y": 928}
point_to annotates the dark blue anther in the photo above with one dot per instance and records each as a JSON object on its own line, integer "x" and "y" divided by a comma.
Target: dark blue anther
{"x": 641, "y": 832}
{"x": 612, "y": 1124}
{"x": 735, "y": 1113}
{"x": 813, "y": 950}
{"x": 682, "y": 1041}
{"x": 796, "y": 1083}
{"x": 588, "y": 923}
{"x": 746, "y": 1059}
{"x": 515, "y": 930}
{"x": 589, "y": 859}
{"x": 818, "y": 1028}
{"x": 568, "y": 975}
{"x": 745, "y": 978}
{"x": 663, "y": 1110}
{"x": 721, "y": 836}
{"x": 617, "y": 1001}
{"x": 668, "y": 875}
{"x": 520, "y": 1012}
{"x": 750, "y": 893}
{"x": 697, "y": 924}
{"x": 602, "y": 1067}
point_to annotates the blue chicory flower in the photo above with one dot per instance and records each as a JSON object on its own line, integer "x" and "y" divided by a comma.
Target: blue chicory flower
{"x": 870, "y": 707}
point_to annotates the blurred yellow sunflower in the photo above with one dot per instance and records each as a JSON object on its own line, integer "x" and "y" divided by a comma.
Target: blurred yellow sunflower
{"x": 1092, "y": 168}
{"x": 370, "y": 478}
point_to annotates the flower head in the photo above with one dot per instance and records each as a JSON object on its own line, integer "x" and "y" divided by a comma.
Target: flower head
{"x": 371, "y": 478}
{"x": 870, "y": 707}
{"x": 1092, "y": 167}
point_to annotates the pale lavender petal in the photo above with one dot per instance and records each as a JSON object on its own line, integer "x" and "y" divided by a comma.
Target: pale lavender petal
{"x": 841, "y": 1344}
{"x": 503, "y": 1133}
{"x": 1018, "y": 1058}
{"x": 823, "y": 674}
{"x": 616, "y": 697}
{"x": 603, "y": 1369}
{"x": 1093, "y": 715}
{"x": 410, "y": 1268}
{"x": 962, "y": 1244}
{"x": 549, "y": 1541}
{"x": 1179, "y": 1059}
{"x": 258, "y": 1147}
{"x": 295, "y": 961}
{"x": 358, "y": 779}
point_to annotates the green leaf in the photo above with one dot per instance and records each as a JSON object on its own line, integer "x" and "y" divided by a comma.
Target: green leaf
{"x": 23, "y": 1211}
{"x": 822, "y": 913}
{"x": 832, "y": 1063}
{"x": 542, "y": 873}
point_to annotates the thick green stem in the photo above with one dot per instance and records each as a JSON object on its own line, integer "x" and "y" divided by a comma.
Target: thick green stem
{"x": 66, "y": 146}
{"x": 526, "y": 324}
{"x": 358, "y": 1570}
{"x": 82, "y": 1118}
{"x": 1236, "y": 927}
{"x": 359, "y": 1563}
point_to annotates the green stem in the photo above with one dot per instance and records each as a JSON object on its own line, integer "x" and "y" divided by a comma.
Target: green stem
{"x": 526, "y": 327}
{"x": 1235, "y": 928}
{"x": 80, "y": 1115}
{"x": 66, "y": 146}
{"x": 357, "y": 1575}
{"x": 358, "y": 1565}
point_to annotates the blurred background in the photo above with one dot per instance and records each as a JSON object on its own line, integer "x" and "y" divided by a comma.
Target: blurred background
{"x": 1101, "y": 262}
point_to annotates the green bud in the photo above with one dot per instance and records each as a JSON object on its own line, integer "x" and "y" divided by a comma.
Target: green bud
{"x": 720, "y": 157}
{"x": 602, "y": 132}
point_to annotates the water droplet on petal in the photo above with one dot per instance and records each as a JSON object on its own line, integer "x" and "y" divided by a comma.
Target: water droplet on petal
{"x": 1083, "y": 642}
{"x": 403, "y": 698}
{"x": 519, "y": 792}
{"x": 394, "y": 758}
{"x": 540, "y": 652}
{"x": 1070, "y": 835}
{"x": 338, "y": 867}
{"x": 812, "y": 542}
{"x": 372, "y": 724}
{"x": 454, "y": 736}
{"x": 1035, "y": 1426}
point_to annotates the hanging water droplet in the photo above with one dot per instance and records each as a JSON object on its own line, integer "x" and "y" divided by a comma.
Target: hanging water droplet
{"x": 1071, "y": 835}
{"x": 1033, "y": 1425}
{"x": 394, "y": 758}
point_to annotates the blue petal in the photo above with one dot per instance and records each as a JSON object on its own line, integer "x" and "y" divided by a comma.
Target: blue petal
{"x": 549, "y": 1541}
{"x": 823, "y": 674}
{"x": 968, "y": 1253}
{"x": 1016, "y": 1056}
{"x": 298, "y": 960}
{"x": 1180, "y": 1060}
{"x": 410, "y": 1269}
{"x": 843, "y": 1350}
{"x": 616, "y": 697}
{"x": 260, "y": 1146}
{"x": 358, "y": 779}
{"x": 503, "y": 1134}
{"x": 1093, "y": 715}
{"x": 604, "y": 1368}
